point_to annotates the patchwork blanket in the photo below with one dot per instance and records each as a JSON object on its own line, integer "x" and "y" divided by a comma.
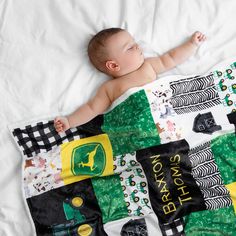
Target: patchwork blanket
{"x": 164, "y": 151}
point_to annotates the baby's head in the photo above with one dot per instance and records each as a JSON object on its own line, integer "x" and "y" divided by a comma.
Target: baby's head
{"x": 115, "y": 52}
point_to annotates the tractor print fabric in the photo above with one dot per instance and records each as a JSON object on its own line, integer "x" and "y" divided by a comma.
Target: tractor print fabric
{"x": 226, "y": 86}
{"x": 164, "y": 151}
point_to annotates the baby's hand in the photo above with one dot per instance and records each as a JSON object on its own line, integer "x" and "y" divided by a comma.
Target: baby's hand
{"x": 61, "y": 124}
{"x": 198, "y": 38}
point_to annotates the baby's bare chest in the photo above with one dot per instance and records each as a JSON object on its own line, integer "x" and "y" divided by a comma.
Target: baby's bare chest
{"x": 125, "y": 84}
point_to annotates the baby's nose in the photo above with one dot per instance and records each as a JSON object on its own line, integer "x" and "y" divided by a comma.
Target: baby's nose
{"x": 137, "y": 47}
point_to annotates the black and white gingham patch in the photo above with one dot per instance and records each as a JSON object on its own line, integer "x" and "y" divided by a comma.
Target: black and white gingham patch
{"x": 175, "y": 228}
{"x": 42, "y": 136}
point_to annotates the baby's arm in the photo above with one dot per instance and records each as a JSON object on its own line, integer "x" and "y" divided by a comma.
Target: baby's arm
{"x": 177, "y": 55}
{"x": 97, "y": 105}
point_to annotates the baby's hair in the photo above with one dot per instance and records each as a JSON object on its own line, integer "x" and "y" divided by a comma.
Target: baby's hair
{"x": 97, "y": 48}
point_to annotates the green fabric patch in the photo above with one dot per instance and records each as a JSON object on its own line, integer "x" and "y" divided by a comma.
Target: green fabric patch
{"x": 224, "y": 150}
{"x": 110, "y": 197}
{"x": 212, "y": 222}
{"x": 130, "y": 125}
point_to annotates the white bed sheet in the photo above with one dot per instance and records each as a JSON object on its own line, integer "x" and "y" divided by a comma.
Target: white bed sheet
{"x": 44, "y": 69}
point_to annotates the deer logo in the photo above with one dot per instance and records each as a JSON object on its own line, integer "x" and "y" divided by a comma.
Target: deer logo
{"x": 91, "y": 156}
{"x": 88, "y": 159}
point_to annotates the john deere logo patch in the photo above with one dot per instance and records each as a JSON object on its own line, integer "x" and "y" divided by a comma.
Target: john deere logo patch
{"x": 88, "y": 159}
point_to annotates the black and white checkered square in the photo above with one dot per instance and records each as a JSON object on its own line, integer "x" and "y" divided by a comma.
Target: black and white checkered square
{"x": 175, "y": 228}
{"x": 42, "y": 137}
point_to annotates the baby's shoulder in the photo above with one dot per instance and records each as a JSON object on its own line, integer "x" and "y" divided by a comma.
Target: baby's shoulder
{"x": 146, "y": 71}
{"x": 147, "y": 66}
{"x": 115, "y": 87}
{"x": 108, "y": 87}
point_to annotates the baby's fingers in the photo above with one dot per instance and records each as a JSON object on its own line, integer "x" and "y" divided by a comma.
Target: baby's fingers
{"x": 58, "y": 125}
{"x": 202, "y": 38}
{"x": 56, "y": 122}
{"x": 57, "y": 119}
{"x": 59, "y": 129}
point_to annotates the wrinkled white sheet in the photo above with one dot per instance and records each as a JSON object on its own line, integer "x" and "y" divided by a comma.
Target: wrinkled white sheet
{"x": 44, "y": 69}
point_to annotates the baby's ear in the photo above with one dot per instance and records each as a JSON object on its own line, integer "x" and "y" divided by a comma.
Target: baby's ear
{"x": 112, "y": 66}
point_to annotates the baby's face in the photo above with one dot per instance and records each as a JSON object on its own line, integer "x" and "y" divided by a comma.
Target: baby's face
{"x": 123, "y": 49}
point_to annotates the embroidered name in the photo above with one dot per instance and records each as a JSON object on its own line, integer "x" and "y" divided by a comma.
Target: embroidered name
{"x": 169, "y": 205}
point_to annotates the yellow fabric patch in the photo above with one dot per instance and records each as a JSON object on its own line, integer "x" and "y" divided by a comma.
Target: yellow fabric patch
{"x": 86, "y": 158}
{"x": 232, "y": 189}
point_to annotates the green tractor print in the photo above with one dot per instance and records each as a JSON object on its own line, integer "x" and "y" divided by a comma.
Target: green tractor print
{"x": 227, "y": 101}
{"x": 129, "y": 181}
{"x": 71, "y": 208}
{"x": 140, "y": 187}
{"x": 133, "y": 197}
{"x": 233, "y": 66}
{"x": 131, "y": 163}
{"x": 232, "y": 89}
{"x": 72, "y": 227}
{"x": 138, "y": 212}
{"x": 217, "y": 73}
{"x": 144, "y": 202}
{"x": 123, "y": 187}
{"x": 221, "y": 86}
{"x": 228, "y": 75}
{"x": 120, "y": 161}
{"x": 138, "y": 172}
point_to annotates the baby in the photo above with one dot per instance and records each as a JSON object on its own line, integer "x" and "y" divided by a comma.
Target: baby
{"x": 115, "y": 52}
